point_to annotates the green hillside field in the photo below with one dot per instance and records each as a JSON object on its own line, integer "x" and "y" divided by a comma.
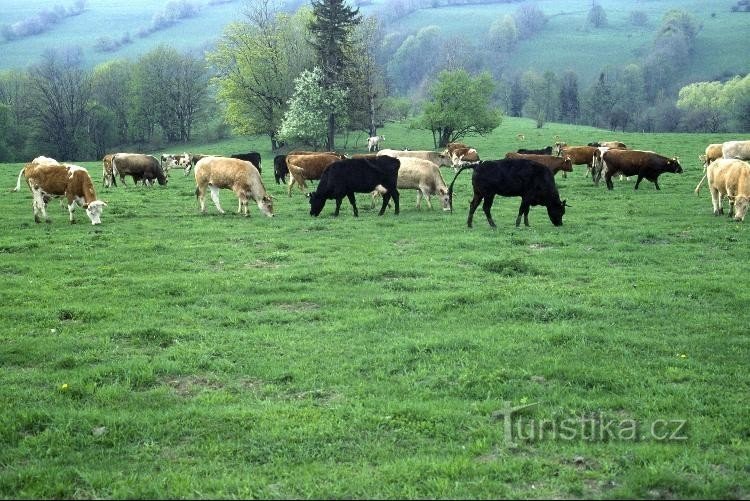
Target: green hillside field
{"x": 169, "y": 354}
{"x": 564, "y": 44}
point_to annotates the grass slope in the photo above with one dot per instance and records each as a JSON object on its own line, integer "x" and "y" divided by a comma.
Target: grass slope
{"x": 221, "y": 356}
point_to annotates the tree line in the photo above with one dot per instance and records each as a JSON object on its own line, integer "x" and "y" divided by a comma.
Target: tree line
{"x": 301, "y": 77}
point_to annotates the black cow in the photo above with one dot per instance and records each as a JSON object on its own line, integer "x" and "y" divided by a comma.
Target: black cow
{"x": 543, "y": 151}
{"x": 346, "y": 177}
{"x": 644, "y": 164}
{"x": 253, "y": 157}
{"x": 280, "y": 169}
{"x": 511, "y": 177}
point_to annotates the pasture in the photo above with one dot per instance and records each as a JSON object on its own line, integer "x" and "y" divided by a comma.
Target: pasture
{"x": 168, "y": 354}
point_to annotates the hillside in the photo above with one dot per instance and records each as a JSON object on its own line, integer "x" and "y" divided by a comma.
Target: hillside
{"x": 582, "y": 50}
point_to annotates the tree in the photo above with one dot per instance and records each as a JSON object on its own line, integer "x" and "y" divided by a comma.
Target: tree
{"x": 518, "y": 96}
{"x": 597, "y": 17}
{"x": 736, "y": 94}
{"x": 543, "y": 96}
{"x": 61, "y": 89}
{"x": 529, "y": 20}
{"x": 503, "y": 34}
{"x": 414, "y": 60}
{"x": 598, "y": 102}
{"x": 331, "y": 28}
{"x": 188, "y": 93}
{"x": 569, "y": 103}
{"x": 256, "y": 63}
{"x": 306, "y": 120}
{"x": 459, "y": 106}
{"x": 15, "y": 93}
{"x": 112, "y": 85}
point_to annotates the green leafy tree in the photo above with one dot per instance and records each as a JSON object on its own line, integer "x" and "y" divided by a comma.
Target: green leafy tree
{"x": 15, "y": 93}
{"x": 112, "y": 85}
{"x": 569, "y": 102}
{"x": 256, "y": 62}
{"x": 5, "y": 126}
{"x": 459, "y": 106}
{"x": 543, "y": 100}
{"x": 503, "y": 34}
{"x": 306, "y": 120}
{"x": 414, "y": 60}
{"x": 737, "y": 96}
{"x": 331, "y": 27}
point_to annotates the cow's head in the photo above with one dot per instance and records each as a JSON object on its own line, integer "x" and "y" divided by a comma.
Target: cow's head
{"x": 445, "y": 199}
{"x": 94, "y": 211}
{"x": 555, "y": 211}
{"x": 265, "y": 205}
{"x": 567, "y": 165}
{"x": 741, "y": 204}
{"x": 673, "y": 165}
{"x": 317, "y": 202}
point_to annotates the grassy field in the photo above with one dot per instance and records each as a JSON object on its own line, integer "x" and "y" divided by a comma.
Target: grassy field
{"x": 168, "y": 354}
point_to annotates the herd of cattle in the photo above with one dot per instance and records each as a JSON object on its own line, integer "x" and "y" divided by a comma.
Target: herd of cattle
{"x": 528, "y": 174}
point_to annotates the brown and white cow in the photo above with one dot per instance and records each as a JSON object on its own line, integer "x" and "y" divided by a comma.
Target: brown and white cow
{"x": 423, "y": 176}
{"x": 108, "y": 175}
{"x": 53, "y": 180}
{"x": 554, "y": 164}
{"x": 240, "y": 176}
{"x": 579, "y": 155}
{"x": 307, "y": 167}
{"x": 730, "y": 177}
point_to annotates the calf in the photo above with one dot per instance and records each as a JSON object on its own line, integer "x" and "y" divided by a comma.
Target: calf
{"x": 280, "y": 170}
{"x": 423, "y": 176}
{"x": 579, "y": 155}
{"x": 253, "y": 157}
{"x": 554, "y": 164}
{"x": 47, "y": 181}
{"x": 730, "y": 178}
{"x": 713, "y": 152}
{"x": 644, "y": 164}
{"x": 373, "y": 143}
{"x": 307, "y": 167}
{"x": 237, "y": 175}
{"x": 346, "y": 177}
{"x": 513, "y": 177}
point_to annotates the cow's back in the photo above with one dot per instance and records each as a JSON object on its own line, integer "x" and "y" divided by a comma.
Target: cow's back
{"x": 223, "y": 172}
{"x": 729, "y": 176}
{"x": 736, "y": 149}
{"x": 514, "y": 177}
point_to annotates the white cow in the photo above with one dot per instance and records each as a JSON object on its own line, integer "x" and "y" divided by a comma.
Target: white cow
{"x": 373, "y": 143}
{"x": 729, "y": 177}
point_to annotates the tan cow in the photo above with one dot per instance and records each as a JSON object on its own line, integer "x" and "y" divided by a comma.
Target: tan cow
{"x": 307, "y": 167}
{"x": 729, "y": 178}
{"x": 713, "y": 151}
{"x": 554, "y": 164}
{"x": 435, "y": 157}
{"x": 240, "y": 176}
{"x": 423, "y": 176}
{"x": 52, "y": 180}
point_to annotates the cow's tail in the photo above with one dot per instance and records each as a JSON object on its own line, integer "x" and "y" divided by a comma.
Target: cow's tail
{"x": 450, "y": 188}
{"x": 18, "y": 182}
{"x": 698, "y": 188}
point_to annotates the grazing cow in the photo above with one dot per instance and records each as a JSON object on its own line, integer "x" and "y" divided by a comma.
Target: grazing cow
{"x": 451, "y": 147}
{"x": 253, "y": 157}
{"x": 47, "y": 180}
{"x": 644, "y": 164}
{"x": 170, "y": 161}
{"x": 373, "y": 143}
{"x": 307, "y": 167}
{"x": 736, "y": 149}
{"x": 433, "y": 156}
{"x": 280, "y": 170}
{"x": 240, "y": 176}
{"x": 730, "y": 177}
{"x": 579, "y": 155}
{"x": 513, "y": 177}
{"x": 554, "y": 164}
{"x": 140, "y": 167}
{"x": 542, "y": 151}
{"x": 713, "y": 151}
{"x": 423, "y": 176}
{"x": 346, "y": 177}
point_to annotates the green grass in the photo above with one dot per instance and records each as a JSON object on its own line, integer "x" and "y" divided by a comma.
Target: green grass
{"x": 222, "y": 356}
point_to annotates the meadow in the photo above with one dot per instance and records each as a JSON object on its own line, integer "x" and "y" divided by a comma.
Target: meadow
{"x": 169, "y": 354}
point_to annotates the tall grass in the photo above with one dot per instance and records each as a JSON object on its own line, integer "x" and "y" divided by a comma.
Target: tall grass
{"x": 171, "y": 354}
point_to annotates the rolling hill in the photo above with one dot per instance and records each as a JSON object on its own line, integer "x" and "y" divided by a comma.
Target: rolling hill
{"x": 586, "y": 51}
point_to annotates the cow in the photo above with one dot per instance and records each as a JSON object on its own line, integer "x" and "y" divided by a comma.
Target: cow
{"x": 253, "y": 157}
{"x": 540, "y": 151}
{"x": 615, "y": 145}
{"x": 513, "y": 177}
{"x": 48, "y": 180}
{"x": 346, "y": 177}
{"x": 736, "y": 149}
{"x": 461, "y": 156}
{"x": 171, "y": 161}
{"x": 554, "y": 164}
{"x": 307, "y": 167}
{"x": 423, "y": 176}
{"x": 140, "y": 167}
{"x": 713, "y": 151}
{"x": 433, "y": 156}
{"x": 280, "y": 170}
{"x": 373, "y": 143}
{"x": 579, "y": 155}
{"x": 108, "y": 175}
{"x": 730, "y": 177}
{"x": 240, "y": 176}
{"x": 451, "y": 147}
{"x": 644, "y": 164}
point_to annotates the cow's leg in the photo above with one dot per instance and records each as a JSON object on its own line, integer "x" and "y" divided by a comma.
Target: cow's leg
{"x": 200, "y": 194}
{"x": 656, "y": 183}
{"x": 215, "y": 197}
{"x": 71, "y": 207}
{"x": 38, "y": 205}
{"x": 473, "y": 207}
{"x": 338, "y": 205}
{"x": 640, "y": 178}
{"x": 608, "y": 179}
{"x": 487, "y": 208}
{"x": 424, "y": 191}
{"x": 731, "y": 206}
{"x": 396, "y": 197}
{"x": 353, "y": 201}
